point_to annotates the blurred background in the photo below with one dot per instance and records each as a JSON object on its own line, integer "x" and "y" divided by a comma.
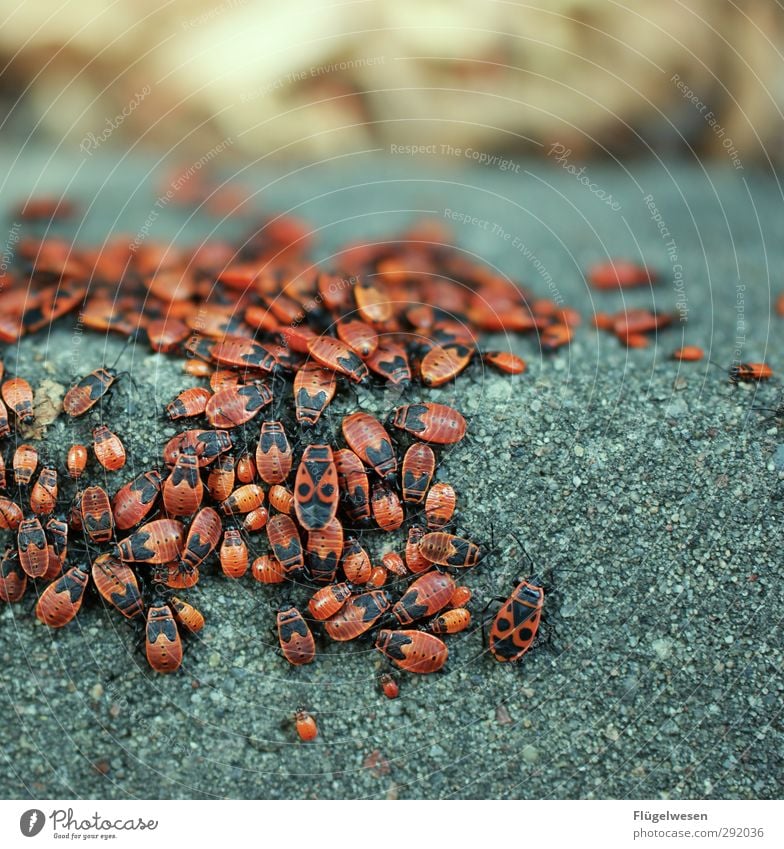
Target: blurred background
{"x": 308, "y": 78}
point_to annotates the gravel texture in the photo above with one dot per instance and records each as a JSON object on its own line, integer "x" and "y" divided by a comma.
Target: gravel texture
{"x": 648, "y": 494}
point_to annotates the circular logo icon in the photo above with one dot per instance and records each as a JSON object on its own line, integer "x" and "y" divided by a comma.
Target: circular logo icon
{"x": 31, "y": 822}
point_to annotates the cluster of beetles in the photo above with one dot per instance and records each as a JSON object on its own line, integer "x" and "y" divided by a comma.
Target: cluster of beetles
{"x": 272, "y": 339}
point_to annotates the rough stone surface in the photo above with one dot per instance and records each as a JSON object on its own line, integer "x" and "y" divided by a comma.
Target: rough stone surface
{"x": 647, "y": 492}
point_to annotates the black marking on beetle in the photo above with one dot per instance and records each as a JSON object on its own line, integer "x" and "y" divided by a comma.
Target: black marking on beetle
{"x": 382, "y": 457}
{"x": 73, "y": 583}
{"x": 288, "y": 555}
{"x": 394, "y": 645}
{"x": 161, "y": 623}
{"x": 291, "y": 623}
{"x": 310, "y": 407}
{"x": 414, "y": 484}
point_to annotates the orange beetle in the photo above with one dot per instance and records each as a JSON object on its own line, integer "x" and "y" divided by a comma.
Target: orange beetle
{"x": 393, "y": 563}
{"x": 505, "y": 361}
{"x": 117, "y": 585}
{"x": 449, "y": 550}
{"x": 164, "y": 647}
{"x": 13, "y": 579}
{"x": 749, "y": 372}
{"x": 369, "y": 440}
{"x": 516, "y": 623}
{"x": 415, "y": 560}
{"x": 190, "y": 402}
{"x": 57, "y": 537}
{"x": 281, "y": 499}
{"x": 246, "y": 468}
{"x": 389, "y": 687}
{"x": 132, "y": 503}
{"x": 273, "y": 453}
{"x": 353, "y": 485}
{"x": 426, "y": 596}
{"x": 555, "y": 336}
{"x": 166, "y": 335}
{"x": 43, "y": 496}
{"x": 203, "y": 536}
{"x": 237, "y": 405}
{"x": 442, "y": 364}
{"x": 284, "y": 538}
{"x": 159, "y": 541}
{"x": 440, "y": 505}
{"x": 689, "y": 354}
{"x": 256, "y": 520}
{"x": 296, "y": 641}
{"x": 25, "y": 463}
{"x": 32, "y": 547}
{"x": 378, "y": 577}
{"x": 373, "y": 300}
{"x": 391, "y": 362}
{"x": 108, "y": 448}
{"x": 18, "y": 395}
{"x": 450, "y": 622}
{"x": 245, "y": 498}
{"x": 220, "y": 481}
{"x": 183, "y": 490}
{"x": 619, "y": 273}
{"x": 314, "y": 389}
{"x": 431, "y": 422}
{"x": 334, "y": 355}
{"x": 84, "y": 394}
{"x": 413, "y": 651}
{"x": 59, "y": 603}
{"x": 267, "y": 570}
{"x": 324, "y": 549}
{"x": 316, "y": 488}
{"x": 358, "y": 615}
{"x": 76, "y": 461}
{"x": 305, "y": 725}
{"x": 207, "y": 445}
{"x": 186, "y": 615}
{"x": 419, "y": 464}
{"x": 10, "y": 514}
{"x": 387, "y": 509}
{"x": 243, "y": 354}
{"x": 328, "y": 600}
{"x": 356, "y": 563}
{"x": 233, "y": 554}
{"x": 360, "y": 337}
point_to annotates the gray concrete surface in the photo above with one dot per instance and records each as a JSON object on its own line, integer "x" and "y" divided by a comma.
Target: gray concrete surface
{"x": 648, "y": 493}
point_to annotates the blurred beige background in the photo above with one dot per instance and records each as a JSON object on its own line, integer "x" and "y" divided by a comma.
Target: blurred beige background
{"x": 312, "y": 79}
